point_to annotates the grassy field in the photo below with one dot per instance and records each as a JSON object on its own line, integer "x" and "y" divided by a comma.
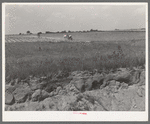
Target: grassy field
{"x": 89, "y": 36}
{"x": 102, "y": 36}
{"x": 104, "y": 53}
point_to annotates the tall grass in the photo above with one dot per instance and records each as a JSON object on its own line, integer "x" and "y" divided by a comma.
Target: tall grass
{"x": 24, "y": 59}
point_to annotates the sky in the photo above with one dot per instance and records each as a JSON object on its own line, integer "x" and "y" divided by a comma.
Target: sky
{"x": 20, "y": 18}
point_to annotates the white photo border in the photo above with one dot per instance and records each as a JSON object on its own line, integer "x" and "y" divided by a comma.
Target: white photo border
{"x": 10, "y": 116}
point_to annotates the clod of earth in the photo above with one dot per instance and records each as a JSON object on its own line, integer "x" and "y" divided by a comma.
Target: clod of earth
{"x": 9, "y": 99}
{"x": 39, "y": 95}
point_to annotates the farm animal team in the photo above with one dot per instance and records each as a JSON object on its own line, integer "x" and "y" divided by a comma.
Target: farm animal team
{"x": 66, "y": 36}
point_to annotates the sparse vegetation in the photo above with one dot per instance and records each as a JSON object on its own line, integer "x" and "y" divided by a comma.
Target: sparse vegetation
{"x": 24, "y": 59}
{"x": 28, "y": 32}
{"x": 39, "y": 33}
{"x": 63, "y": 31}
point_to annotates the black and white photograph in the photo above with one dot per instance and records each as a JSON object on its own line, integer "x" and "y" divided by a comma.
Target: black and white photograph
{"x": 75, "y": 61}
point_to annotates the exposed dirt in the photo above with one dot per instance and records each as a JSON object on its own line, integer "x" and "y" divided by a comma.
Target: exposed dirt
{"x": 122, "y": 90}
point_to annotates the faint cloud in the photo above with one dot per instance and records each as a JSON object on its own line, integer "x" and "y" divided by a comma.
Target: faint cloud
{"x": 49, "y": 19}
{"x": 28, "y": 10}
{"x": 105, "y": 7}
{"x": 20, "y": 6}
{"x": 72, "y": 18}
{"x": 58, "y": 15}
{"x": 140, "y": 11}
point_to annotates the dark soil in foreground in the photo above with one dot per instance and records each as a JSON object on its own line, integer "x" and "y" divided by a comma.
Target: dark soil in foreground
{"x": 122, "y": 89}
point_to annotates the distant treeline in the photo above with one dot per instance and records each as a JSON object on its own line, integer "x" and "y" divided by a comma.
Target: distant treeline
{"x": 95, "y": 30}
{"x": 84, "y": 31}
{"x": 92, "y": 30}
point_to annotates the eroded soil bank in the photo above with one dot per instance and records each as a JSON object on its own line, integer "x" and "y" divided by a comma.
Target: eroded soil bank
{"x": 119, "y": 90}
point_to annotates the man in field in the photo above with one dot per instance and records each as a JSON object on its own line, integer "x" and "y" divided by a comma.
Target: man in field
{"x": 70, "y": 37}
